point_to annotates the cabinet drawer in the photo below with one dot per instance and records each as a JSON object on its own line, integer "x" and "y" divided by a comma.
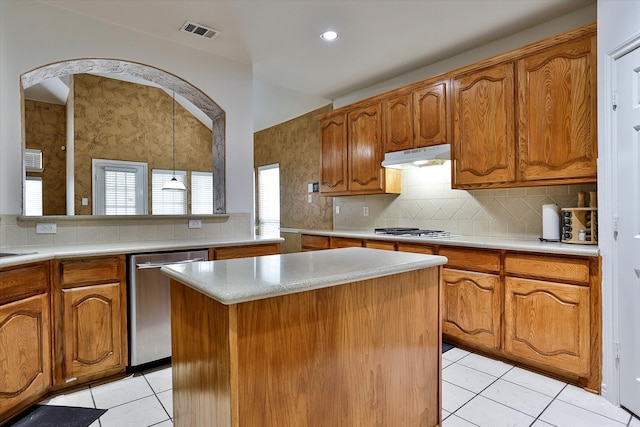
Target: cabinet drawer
{"x": 314, "y": 243}
{"x": 246, "y": 251}
{"x": 419, "y": 249}
{"x": 469, "y": 259}
{"x": 22, "y": 281}
{"x": 343, "y": 242}
{"x": 380, "y": 244}
{"x": 89, "y": 270}
{"x": 553, "y": 268}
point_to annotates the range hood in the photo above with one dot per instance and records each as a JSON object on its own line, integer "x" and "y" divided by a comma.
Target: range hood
{"x": 417, "y": 157}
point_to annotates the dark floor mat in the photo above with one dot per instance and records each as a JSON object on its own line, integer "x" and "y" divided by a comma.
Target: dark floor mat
{"x": 446, "y": 347}
{"x": 58, "y": 416}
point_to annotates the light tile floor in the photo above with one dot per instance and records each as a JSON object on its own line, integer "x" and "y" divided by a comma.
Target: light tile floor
{"x": 476, "y": 391}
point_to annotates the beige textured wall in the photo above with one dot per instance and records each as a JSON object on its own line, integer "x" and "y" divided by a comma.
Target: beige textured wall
{"x": 295, "y": 146}
{"x": 45, "y": 129}
{"x": 118, "y": 120}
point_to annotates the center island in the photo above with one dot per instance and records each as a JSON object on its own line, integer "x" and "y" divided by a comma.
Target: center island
{"x": 337, "y": 338}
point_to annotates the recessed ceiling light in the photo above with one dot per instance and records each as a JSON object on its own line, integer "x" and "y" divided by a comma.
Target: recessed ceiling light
{"x": 329, "y": 36}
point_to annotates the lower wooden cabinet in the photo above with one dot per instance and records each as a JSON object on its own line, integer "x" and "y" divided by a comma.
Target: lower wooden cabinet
{"x": 244, "y": 251}
{"x": 471, "y": 307}
{"x": 313, "y": 243}
{"x": 549, "y": 323}
{"x": 89, "y": 309}
{"x": 25, "y": 337}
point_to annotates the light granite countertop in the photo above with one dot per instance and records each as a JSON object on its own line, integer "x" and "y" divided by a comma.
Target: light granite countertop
{"x": 525, "y": 245}
{"x": 47, "y": 252}
{"x": 248, "y": 279}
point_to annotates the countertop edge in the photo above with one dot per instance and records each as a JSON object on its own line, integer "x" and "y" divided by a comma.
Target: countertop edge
{"x": 480, "y": 242}
{"x": 30, "y": 254}
{"x": 181, "y": 274}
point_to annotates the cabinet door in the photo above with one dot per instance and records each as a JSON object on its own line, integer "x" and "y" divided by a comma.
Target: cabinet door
{"x": 91, "y": 328}
{"x": 246, "y": 251}
{"x": 430, "y": 115}
{"x": 483, "y": 127}
{"x": 333, "y": 154}
{"x": 25, "y": 351}
{"x": 471, "y": 307}
{"x": 557, "y": 100}
{"x": 548, "y": 322}
{"x": 365, "y": 149}
{"x": 399, "y": 123}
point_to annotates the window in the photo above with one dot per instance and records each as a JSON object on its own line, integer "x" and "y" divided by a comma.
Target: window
{"x": 119, "y": 187}
{"x": 168, "y": 202}
{"x": 201, "y": 193}
{"x": 33, "y": 196}
{"x": 33, "y": 160}
{"x": 269, "y": 200}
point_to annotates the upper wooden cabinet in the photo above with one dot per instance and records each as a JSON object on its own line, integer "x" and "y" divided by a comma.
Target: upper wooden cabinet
{"x": 351, "y": 151}
{"x": 333, "y": 154}
{"x": 430, "y": 115}
{"x": 547, "y": 136}
{"x": 557, "y": 105}
{"x": 484, "y": 126}
{"x": 398, "y": 112}
{"x": 417, "y": 119}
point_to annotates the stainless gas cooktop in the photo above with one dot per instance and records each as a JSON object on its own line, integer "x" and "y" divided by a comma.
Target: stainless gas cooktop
{"x": 407, "y": 231}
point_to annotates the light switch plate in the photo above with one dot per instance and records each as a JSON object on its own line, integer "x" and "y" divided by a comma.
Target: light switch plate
{"x": 46, "y": 228}
{"x": 195, "y": 223}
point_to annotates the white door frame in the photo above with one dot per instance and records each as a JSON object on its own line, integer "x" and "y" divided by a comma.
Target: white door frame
{"x": 607, "y": 207}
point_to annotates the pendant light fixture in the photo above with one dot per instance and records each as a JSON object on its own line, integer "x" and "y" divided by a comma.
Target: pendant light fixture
{"x": 173, "y": 183}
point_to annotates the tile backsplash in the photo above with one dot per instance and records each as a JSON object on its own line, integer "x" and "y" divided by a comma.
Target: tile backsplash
{"x": 427, "y": 201}
{"x": 14, "y": 232}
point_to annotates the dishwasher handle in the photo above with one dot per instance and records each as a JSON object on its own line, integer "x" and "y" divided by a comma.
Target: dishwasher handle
{"x": 159, "y": 264}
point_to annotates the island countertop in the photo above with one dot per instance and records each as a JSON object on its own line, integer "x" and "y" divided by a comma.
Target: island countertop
{"x": 248, "y": 279}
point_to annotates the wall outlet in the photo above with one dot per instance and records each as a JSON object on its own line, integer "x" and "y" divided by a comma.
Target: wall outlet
{"x": 85, "y": 201}
{"x": 337, "y": 209}
{"x": 46, "y": 228}
{"x": 309, "y": 198}
{"x": 195, "y": 223}
{"x": 365, "y": 211}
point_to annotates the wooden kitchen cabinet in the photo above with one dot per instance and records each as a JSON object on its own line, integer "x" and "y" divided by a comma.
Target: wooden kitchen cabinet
{"x": 351, "y": 152}
{"x": 244, "y": 251}
{"x": 549, "y": 323}
{"x": 334, "y": 177}
{"x": 313, "y": 243}
{"x": 552, "y": 313}
{"x": 90, "y": 318}
{"x": 430, "y": 116}
{"x": 484, "y": 149}
{"x": 417, "y": 119}
{"x": 25, "y": 337}
{"x": 365, "y": 149}
{"x": 557, "y": 110}
{"x": 345, "y": 242}
{"x": 472, "y": 297}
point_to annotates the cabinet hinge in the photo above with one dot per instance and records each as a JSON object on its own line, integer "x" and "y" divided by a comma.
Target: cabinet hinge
{"x": 616, "y": 350}
{"x": 614, "y": 100}
{"x": 614, "y": 223}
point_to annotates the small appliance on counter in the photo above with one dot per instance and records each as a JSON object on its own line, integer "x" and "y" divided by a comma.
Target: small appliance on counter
{"x": 580, "y": 225}
{"x": 550, "y": 223}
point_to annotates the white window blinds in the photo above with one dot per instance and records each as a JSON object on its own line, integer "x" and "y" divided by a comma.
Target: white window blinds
{"x": 33, "y": 196}
{"x": 167, "y": 202}
{"x": 269, "y": 200}
{"x": 201, "y": 193}
{"x": 119, "y": 192}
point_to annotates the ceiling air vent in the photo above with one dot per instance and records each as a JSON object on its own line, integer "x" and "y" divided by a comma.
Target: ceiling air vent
{"x": 199, "y": 30}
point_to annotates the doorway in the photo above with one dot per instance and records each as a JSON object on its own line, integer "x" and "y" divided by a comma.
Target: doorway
{"x": 627, "y": 237}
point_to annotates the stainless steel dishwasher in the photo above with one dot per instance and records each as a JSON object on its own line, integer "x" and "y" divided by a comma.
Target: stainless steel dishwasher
{"x": 149, "y": 305}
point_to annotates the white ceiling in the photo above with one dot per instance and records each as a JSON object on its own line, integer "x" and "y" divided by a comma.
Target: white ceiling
{"x": 380, "y": 39}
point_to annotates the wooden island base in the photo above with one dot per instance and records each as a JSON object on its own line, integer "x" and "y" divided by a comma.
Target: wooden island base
{"x": 366, "y": 353}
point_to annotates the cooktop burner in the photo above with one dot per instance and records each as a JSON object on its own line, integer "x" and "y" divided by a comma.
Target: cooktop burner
{"x": 407, "y": 231}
